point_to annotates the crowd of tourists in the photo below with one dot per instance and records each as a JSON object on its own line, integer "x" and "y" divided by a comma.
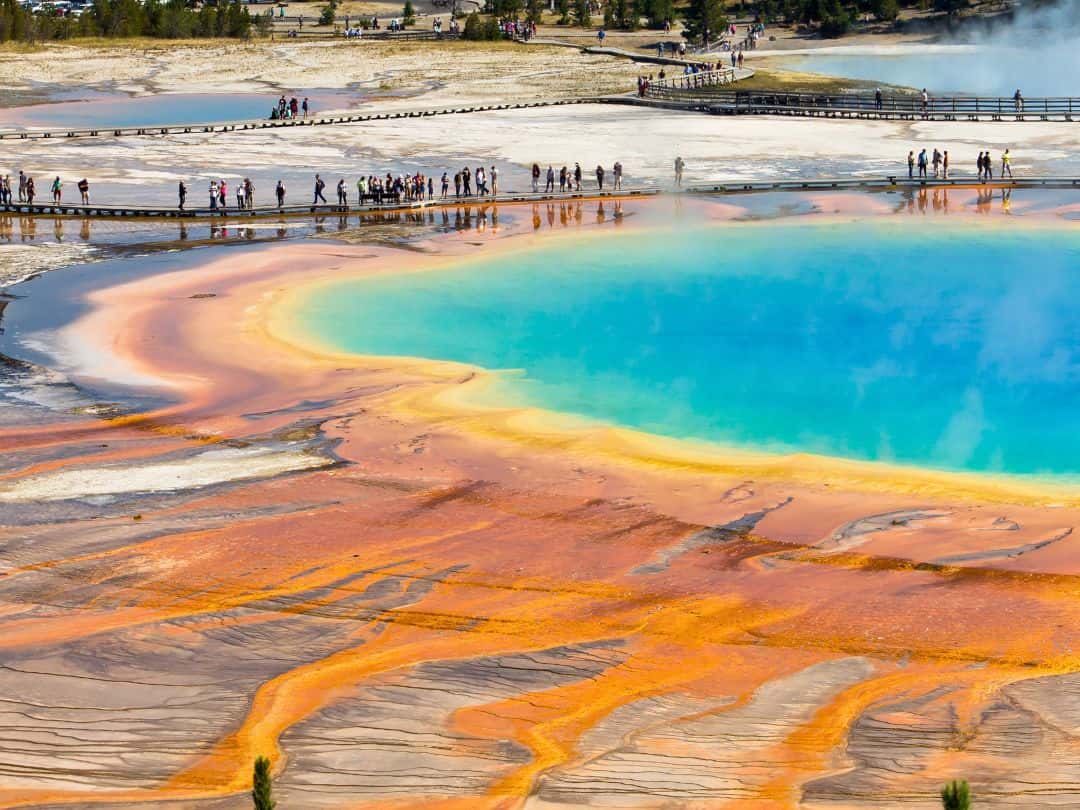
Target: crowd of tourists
{"x": 25, "y": 189}
{"x": 938, "y": 163}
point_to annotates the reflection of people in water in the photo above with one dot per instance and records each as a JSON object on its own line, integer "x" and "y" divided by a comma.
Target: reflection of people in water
{"x": 1006, "y": 200}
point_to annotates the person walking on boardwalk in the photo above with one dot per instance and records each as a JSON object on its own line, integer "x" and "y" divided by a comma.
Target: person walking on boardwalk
{"x": 279, "y": 192}
{"x": 57, "y": 189}
{"x": 599, "y": 178}
{"x": 342, "y": 196}
{"x": 457, "y": 184}
{"x": 84, "y": 191}
{"x": 240, "y": 205}
{"x": 536, "y": 178}
{"x": 945, "y": 165}
{"x": 30, "y": 190}
{"x": 879, "y": 100}
{"x": 549, "y": 186}
{"x": 22, "y": 186}
{"x": 925, "y": 101}
{"x": 562, "y": 179}
{"x": 213, "y": 195}
{"x": 1006, "y": 165}
{"x": 577, "y": 177}
{"x": 936, "y": 162}
{"x": 911, "y": 164}
{"x": 988, "y": 167}
{"x": 305, "y": 106}
{"x": 319, "y": 186}
{"x": 466, "y": 182}
{"x": 445, "y": 185}
{"x": 249, "y": 194}
{"x": 494, "y": 182}
{"x": 361, "y": 190}
{"x": 181, "y": 193}
{"x": 222, "y": 194}
{"x": 922, "y": 164}
{"x": 294, "y": 107}
{"x": 616, "y": 173}
{"x": 679, "y": 166}
{"x": 430, "y": 188}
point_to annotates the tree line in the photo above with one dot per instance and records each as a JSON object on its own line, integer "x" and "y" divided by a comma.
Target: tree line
{"x": 707, "y": 18}
{"x": 167, "y": 19}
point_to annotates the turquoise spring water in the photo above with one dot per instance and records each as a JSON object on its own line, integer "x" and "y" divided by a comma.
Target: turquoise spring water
{"x": 932, "y": 344}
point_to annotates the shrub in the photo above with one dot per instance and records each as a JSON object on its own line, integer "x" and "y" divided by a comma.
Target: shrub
{"x": 956, "y": 795}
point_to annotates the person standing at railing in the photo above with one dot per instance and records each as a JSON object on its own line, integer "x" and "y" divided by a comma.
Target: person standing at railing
{"x": 1018, "y": 101}
{"x": 878, "y": 99}
{"x": 925, "y": 101}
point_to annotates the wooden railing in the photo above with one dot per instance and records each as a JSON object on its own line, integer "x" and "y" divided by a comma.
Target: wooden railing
{"x": 687, "y": 85}
{"x": 868, "y": 105}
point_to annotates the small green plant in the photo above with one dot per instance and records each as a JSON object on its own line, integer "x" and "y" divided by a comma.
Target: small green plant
{"x": 408, "y": 14}
{"x": 956, "y": 795}
{"x": 328, "y": 13}
{"x": 262, "y": 785}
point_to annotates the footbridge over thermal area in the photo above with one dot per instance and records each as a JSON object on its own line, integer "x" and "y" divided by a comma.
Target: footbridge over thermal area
{"x": 391, "y": 207}
{"x": 707, "y": 91}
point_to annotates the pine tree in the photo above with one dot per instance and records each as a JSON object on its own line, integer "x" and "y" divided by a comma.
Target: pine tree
{"x": 408, "y": 14}
{"x": 704, "y": 19}
{"x": 956, "y": 795}
{"x": 582, "y": 14}
{"x": 564, "y": 12}
{"x": 262, "y": 787}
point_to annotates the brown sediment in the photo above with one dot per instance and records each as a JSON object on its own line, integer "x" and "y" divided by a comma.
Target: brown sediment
{"x": 481, "y": 606}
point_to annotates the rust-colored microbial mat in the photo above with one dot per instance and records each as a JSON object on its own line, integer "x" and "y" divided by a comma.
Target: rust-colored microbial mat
{"x": 406, "y": 603}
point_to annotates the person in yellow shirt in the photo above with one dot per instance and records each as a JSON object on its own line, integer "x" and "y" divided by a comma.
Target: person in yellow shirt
{"x": 1006, "y": 168}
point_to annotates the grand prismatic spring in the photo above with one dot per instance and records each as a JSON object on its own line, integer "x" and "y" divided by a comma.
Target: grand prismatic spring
{"x": 656, "y": 498}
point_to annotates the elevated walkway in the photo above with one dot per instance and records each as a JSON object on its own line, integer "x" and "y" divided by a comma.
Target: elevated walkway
{"x": 50, "y": 209}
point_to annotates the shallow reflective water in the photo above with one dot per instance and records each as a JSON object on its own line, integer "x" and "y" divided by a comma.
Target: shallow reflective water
{"x": 983, "y": 71}
{"x": 953, "y": 346}
{"x": 168, "y": 108}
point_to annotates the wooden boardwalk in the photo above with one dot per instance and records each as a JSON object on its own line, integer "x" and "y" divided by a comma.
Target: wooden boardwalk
{"x": 266, "y": 123}
{"x": 49, "y": 209}
{"x": 889, "y": 183}
{"x": 719, "y": 101}
{"x": 862, "y": 184}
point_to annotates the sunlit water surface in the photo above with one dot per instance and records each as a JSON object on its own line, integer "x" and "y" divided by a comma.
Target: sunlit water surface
{"x": 161, "y": 109}
{"x": 985, "y": 70}
{"x": 951, "y": 346}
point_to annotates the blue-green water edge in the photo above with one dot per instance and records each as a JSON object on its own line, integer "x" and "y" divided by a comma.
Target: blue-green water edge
{"x": 940, "y": 345}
